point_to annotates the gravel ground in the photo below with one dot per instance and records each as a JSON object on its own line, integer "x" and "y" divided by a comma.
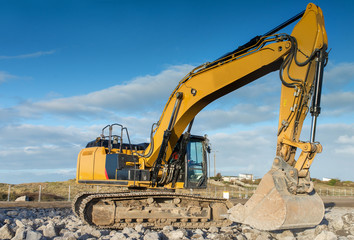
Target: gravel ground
{"x": 60, "y": 223}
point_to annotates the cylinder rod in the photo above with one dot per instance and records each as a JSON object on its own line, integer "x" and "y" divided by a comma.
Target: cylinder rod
{"x": 316, "y": 100}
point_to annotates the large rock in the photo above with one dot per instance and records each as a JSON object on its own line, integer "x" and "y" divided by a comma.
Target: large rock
{"x": 128, "y": 231}
{"x": 342, "y": 233}
{"x": 264, "y": 236}
{"x": 320, "y": 228}
{"x": 348, "y": 219}
{"x": 152, "y": 236}
{"x": 285, "y": 234}
{"x": 326, "y": 235}
{"x": 69, "y": 236}
{"x": 6, "y": 232}
{"x": 168, "y": 228}
{"x": 12, "y": 213}
{"x": 250, "y": 233}
{"x": 135, "y": 235}
{"x": 20, "y": 234}
{"x": 32, "y": 235}
{"x": 213, "y": 229}
{"x": 96, "y": 234}
{"x": 351, "y": 230}
{"x": 197, "y": 237}
{"x": 227, "y": 230}
{"x": 336, "y": 223}
{"x": 200, "y": 232}
{"x": 19, "y": 223}
{"x": 88, "y": 230}
{"x": 22, "y": 199}
{"x": 178, "y": 234}
{"x": 240, "y": 236}
{"x": 50, "y": 231}
{"x": 139, "y": 228}
{"x": 212, "y": 235}
{"x": 119, "y": 236}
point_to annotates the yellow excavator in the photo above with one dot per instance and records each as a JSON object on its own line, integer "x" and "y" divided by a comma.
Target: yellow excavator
{"x": 175, "y": 159}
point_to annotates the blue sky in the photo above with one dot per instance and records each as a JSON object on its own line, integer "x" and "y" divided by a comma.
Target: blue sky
{"x": 68, "y": 68}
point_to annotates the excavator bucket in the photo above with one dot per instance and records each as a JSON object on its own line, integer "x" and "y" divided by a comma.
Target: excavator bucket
{"x": 273, "y": 207}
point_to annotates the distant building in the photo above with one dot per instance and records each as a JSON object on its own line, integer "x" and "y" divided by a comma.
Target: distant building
{"x": 245, "y": 176}
{"x": 229, "y": 178}
{"x": 326, "y": 179}
{"x": 241, "y": 176}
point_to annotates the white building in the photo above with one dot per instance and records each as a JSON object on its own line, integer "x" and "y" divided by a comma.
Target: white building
{"x": 326, "y": 179}
{"x": 241, "y": 176}
{"x": 245, "y": 176}
{"x": 229, "y": 178}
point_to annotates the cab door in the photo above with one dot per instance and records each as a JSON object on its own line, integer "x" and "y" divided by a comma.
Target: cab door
{"x": 196, "y": 163}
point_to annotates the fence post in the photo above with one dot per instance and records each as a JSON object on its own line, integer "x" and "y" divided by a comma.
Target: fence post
{"x": 8, "y": 193}
{"x": 69, "y": 194}
{"x": 327, "y": 191}
{"x": 40, "y": 193}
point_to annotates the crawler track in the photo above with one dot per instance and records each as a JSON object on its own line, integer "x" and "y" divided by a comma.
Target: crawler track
{"x": 150, "y": 209}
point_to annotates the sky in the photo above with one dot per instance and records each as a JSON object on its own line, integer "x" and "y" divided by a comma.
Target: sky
{"x": 69, "y": 68}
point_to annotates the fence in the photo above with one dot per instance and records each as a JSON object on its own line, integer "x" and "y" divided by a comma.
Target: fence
{"x": 67, "y": 193}
{"x": 232, "y": 191}
{"x": 247, "y": 192}
{"x": 336, "y": 192}
{"x": 44, "y": 193}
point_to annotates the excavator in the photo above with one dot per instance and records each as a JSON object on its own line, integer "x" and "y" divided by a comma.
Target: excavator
{"x": 175, "y": 159}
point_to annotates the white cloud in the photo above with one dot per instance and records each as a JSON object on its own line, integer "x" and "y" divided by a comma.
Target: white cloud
{"x": 337, "y": 103}
{"x": 336, "y": 159}
{"x": 36, "y": 175}
{"x": 240, "y": 114}
{"x": 345, "y": 139}
{"x": 338, "y": 75}
{"x": 4, "y": 76}
{"x": 29, "y": 55}
{"x": 265, "y": 90}
{"x": 138, "y": 95}
{"x": 244, "y": 151}
{"x": 39, "y": 146}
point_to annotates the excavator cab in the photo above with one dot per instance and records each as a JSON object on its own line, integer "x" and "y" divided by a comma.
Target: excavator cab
{"x": 196, "y": 163}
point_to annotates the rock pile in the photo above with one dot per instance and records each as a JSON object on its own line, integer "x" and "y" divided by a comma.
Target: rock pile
{"x": 57, "y": 224}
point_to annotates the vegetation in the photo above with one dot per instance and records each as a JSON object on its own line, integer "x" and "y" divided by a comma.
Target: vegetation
{"x": 50, "y": 191}
{"x": 333, "y": 182}
{"x": 218, "y": 177}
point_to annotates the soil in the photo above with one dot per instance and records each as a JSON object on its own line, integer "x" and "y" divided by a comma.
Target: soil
{"x": 31, "y": 204}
